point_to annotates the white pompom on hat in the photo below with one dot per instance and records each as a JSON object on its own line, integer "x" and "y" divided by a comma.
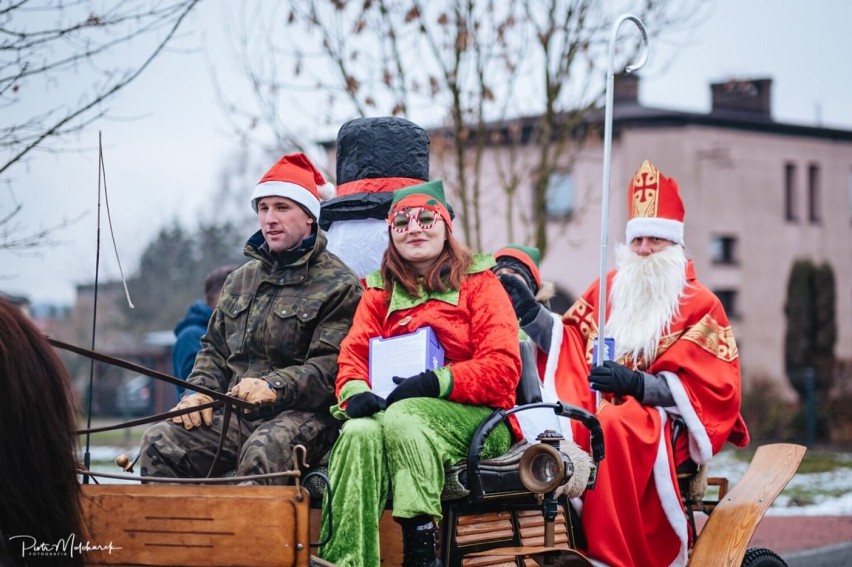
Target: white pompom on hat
{"x": 296, "y": 178}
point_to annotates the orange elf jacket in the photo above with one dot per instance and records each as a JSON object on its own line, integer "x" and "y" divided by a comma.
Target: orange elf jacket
{"x": 475, "y": 325}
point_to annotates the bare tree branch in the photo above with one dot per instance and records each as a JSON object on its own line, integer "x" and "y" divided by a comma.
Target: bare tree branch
{"x": 45, "y": 43}
{"x": 14, "y": 236}
{"x": 470, "y": 68}
{"x": 82, "y": 40}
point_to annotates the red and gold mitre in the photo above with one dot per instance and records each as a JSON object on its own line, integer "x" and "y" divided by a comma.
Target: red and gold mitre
{"x": 654, "y": 207}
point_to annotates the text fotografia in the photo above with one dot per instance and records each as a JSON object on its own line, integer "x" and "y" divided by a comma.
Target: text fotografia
{"x": 67, "y": 547}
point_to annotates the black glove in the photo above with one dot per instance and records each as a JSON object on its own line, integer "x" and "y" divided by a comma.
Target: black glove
{"x": 617, "y": 379}
{"x": 523, "y": 300}
{"x": 423, "y": 385}
{"x": 365, "y": 404}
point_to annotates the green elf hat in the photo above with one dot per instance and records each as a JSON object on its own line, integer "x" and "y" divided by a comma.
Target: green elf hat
{"x": 528, "y": 256}
{"x": 428, "y": 195}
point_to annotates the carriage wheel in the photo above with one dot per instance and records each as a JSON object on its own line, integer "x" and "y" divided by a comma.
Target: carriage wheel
{"x": 762, "y": 557}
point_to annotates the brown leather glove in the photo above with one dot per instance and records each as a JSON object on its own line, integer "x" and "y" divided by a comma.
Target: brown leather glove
{"x": 194, "y": 419}
{"x": 254, "y": 391}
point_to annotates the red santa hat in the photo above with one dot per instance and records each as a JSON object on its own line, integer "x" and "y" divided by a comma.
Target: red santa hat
{"x": 654, "y": 205}
{"x": 297, "y": 179}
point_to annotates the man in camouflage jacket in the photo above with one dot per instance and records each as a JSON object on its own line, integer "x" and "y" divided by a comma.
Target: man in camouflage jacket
{"x": 273, "y": 341}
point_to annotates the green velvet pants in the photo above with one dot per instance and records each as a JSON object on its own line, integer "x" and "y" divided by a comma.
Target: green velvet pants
{"x": 402, "y": 451}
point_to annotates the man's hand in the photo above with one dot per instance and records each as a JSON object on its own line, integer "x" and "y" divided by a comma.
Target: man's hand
{"x": 617, "y": 379}
{"x": 365, "y": 404}
{"x": 423, "y": 385}
{"x": 523, "y": 301}
{"x": 254, "y": 391}
{"x": 196, "y": 418}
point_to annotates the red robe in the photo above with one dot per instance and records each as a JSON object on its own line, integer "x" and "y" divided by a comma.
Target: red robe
{"x": 634, "y": 515}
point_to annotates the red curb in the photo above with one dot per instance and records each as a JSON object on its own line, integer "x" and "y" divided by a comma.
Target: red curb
{"x": 784, "y": 534}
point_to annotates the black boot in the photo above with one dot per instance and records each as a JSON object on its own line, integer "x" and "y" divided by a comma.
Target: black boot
{"x": 419, "y": 542}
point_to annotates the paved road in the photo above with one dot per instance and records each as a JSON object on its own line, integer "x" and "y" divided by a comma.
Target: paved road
{"x": 829, "y": 556}
{"x": 793, "y": 536}
{"x": 807, "y": 541}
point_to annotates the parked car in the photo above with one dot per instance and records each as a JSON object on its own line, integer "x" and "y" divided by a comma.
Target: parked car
{"x": 135, "y": 396}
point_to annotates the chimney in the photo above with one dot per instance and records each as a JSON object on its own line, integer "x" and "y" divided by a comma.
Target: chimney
{"x": 745, "y": 96}
{"x": 626, "y": 88}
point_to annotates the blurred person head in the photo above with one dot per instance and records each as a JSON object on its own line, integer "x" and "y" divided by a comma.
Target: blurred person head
{"x": 214, "y": 281}
{"x": 522, "y": 262}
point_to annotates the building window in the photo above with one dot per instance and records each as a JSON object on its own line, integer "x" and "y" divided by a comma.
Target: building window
{"x": 790, "y": 192}
{"x": 728, "y": 297}
{"x": 814, "y": 213}
{"x": 723, "y": 249}
{"x": 560, "y": 195}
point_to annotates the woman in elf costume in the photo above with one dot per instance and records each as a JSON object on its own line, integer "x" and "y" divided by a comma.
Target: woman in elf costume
{"x": 399, "y": 447}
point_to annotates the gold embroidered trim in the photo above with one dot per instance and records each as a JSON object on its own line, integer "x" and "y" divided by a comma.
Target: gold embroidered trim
{"x": 645, "y": 199}
{"x": 714, "y": 338}
{"x": 582, "y": 314}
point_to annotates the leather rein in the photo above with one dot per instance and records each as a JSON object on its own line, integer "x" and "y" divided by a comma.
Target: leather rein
{"x": 219, "y": 399}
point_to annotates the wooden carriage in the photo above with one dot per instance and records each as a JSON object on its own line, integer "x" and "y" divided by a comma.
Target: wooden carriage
{"x": 494, "y": 520}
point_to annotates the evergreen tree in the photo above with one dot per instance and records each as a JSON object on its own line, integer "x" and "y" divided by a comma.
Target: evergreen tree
{"x": 810, "y": 338}
{"x": 173, "y": 267}
{"x": 216, "y": 245}
{"x": 825, "y": 324}
{"x": 166, "y": 280}
{"x": 797, "y": 339}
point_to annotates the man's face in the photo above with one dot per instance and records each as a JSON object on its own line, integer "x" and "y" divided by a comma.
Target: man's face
{"x": 284, "y": 224}
{"x": 646, "y": 245}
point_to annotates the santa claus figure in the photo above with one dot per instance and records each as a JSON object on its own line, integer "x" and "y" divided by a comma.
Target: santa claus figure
{"x": 671, "y": 396}
{"x": 375, "y": 156}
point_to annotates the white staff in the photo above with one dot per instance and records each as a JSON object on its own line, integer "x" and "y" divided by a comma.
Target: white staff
{"x": 610, "y": 80}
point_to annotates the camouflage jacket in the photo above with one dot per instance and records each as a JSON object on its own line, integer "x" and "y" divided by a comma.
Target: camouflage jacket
{"x": 283, "y": 324}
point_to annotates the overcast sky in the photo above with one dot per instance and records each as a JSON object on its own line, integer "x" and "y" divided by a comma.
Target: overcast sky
{"x": 165, "y": 141}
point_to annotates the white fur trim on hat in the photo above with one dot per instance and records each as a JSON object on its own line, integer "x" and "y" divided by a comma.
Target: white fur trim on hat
{"x": 655, "y": 226}
{"x": 289, "y": 190}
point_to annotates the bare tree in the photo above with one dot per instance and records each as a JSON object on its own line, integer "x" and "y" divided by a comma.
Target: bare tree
{"x": 465, "y": 68}
{"x": 47, "y": 48}
{"x": 406, "y": 58}
{"x": 567, "y": 55}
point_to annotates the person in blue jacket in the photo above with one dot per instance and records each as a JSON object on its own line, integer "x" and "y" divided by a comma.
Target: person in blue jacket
{"x": 191, "y": 328}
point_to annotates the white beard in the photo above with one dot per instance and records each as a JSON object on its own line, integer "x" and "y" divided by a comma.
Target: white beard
{"x": 645, "y": 299}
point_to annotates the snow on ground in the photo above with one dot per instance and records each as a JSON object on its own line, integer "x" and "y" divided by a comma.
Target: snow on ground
{"x": 103, "y": 459}
{"x": 829, "y": 493}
